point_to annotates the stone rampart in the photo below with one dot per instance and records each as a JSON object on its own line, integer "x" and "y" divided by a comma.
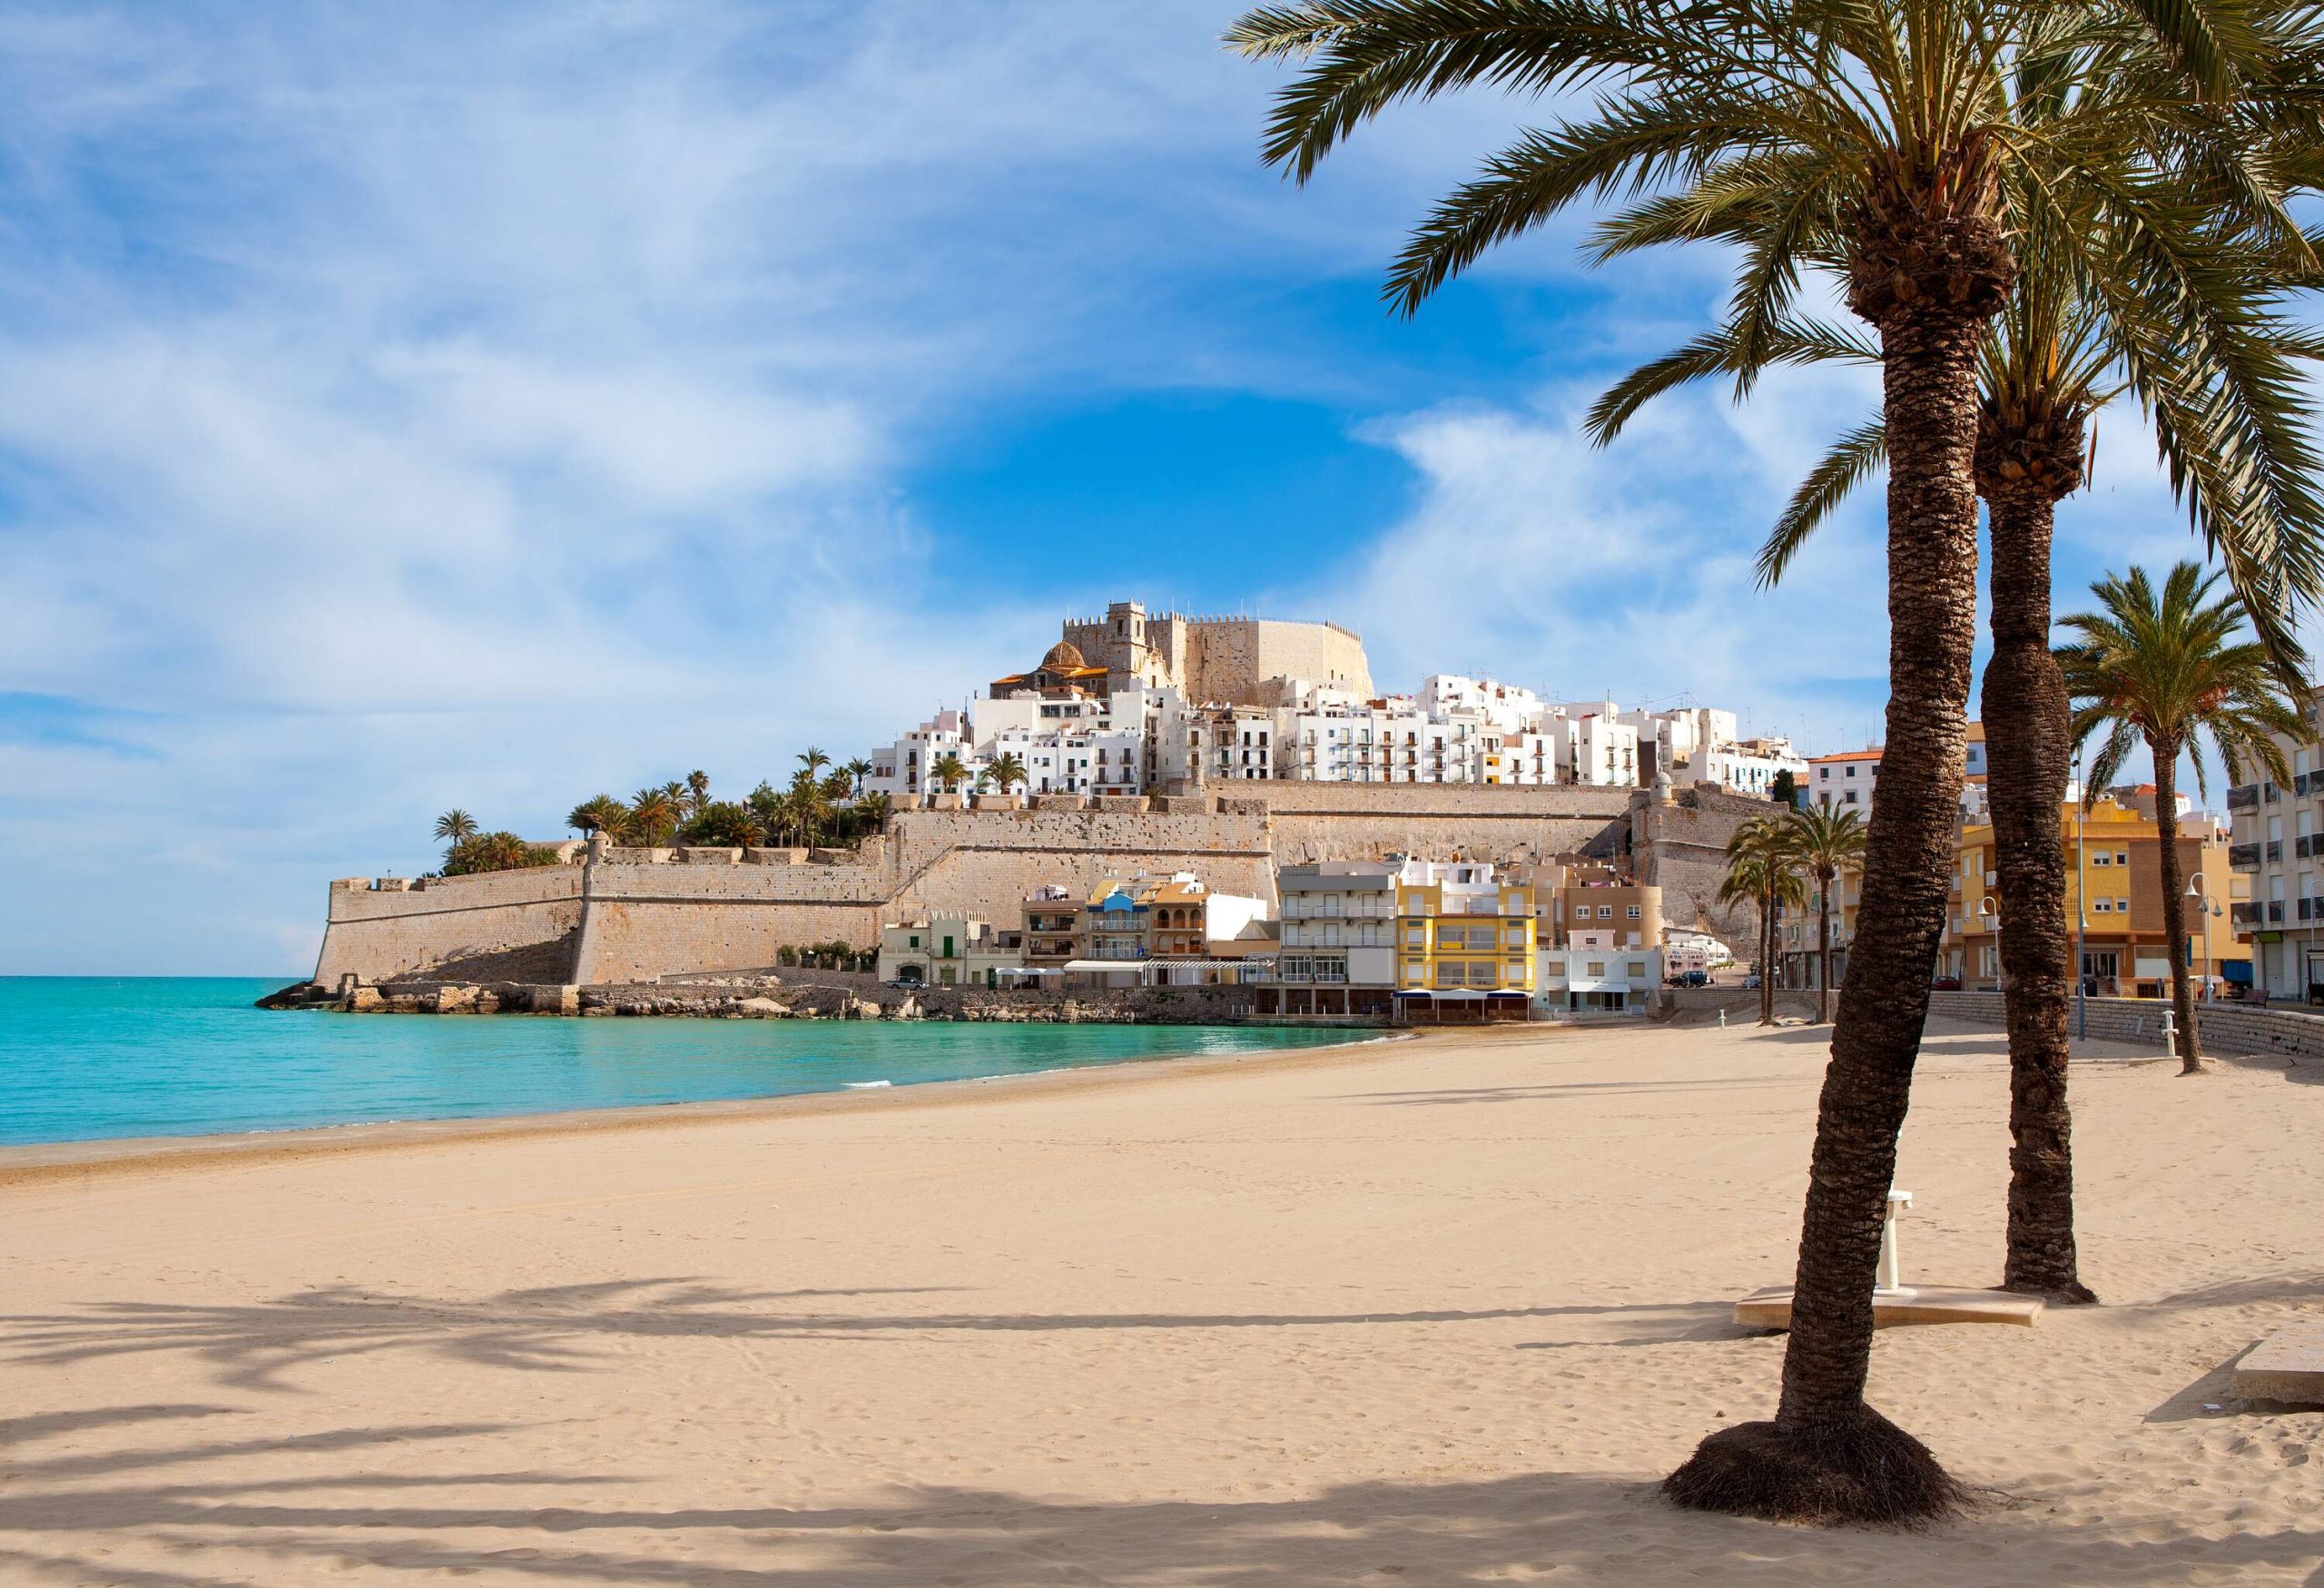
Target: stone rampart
{"x": 1500, "y": 822}
{"x": 641, "y": 913}
{"x": 375, "y": 934}
{"x": 1681, "y": 848}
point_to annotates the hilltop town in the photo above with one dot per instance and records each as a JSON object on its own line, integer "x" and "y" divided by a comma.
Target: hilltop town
{"x": 1226, "y": 808}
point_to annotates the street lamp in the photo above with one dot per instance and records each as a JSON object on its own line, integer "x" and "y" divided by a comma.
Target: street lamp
{"x": 1989, "y": 912}
{"x": 2080, "y": 911}
{"x": 2198, "y": 892}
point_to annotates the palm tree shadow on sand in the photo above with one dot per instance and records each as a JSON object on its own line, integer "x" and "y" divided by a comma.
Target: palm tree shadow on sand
{"x": 161, "y": 1517}
{"x": 258, "y": 1345}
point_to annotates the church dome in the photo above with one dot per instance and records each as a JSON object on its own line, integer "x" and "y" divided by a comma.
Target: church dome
{"x": 1063, "y": 654}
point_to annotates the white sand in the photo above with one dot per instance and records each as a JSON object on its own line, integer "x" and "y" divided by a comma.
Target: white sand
{"x": 1413, "y": 1314}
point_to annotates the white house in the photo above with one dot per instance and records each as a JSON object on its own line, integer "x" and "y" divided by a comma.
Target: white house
{"x": 948, "y": 951}
{"x": 1595, "y": 973}
{"x": 1339, "y": 923}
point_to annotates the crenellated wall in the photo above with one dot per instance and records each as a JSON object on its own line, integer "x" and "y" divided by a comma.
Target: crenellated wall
{"x": 640, "y": 913}
{"x": 376, "y": 932}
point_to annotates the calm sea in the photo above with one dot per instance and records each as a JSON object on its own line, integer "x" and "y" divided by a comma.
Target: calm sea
{"x": 83, "y": 1059}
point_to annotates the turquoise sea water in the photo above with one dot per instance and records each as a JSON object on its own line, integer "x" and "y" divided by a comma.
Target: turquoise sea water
{"x": 85, "y": 1058}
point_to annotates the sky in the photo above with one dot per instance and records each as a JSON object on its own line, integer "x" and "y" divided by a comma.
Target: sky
{"x": 429, "y": 406}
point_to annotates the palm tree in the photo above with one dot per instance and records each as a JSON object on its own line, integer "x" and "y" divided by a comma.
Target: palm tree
{"x": 1825, "y": 838}
{"x": 697, "y": 792}
{"x": 874, "y": 806}
{"x": 813, "y": 760}
{"x": 1763, "y": 871}
{"x": 2168, "y": 669}
{"x": 599, "y": 814}
{"x": 1804, "y": 133}
{"x": 654, "y": 814}
{"x": 949, "y": 771}
{"x": 857, "y": 771}
{"x": 2086, "y": 321}
{"x": 455, "y": 826}
{"x": 807, "y": 804}
{"x": 1007, "y": 771}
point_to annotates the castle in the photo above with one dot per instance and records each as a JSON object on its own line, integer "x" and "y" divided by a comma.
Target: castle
{"x": 633, "y": 915}
{"x": 1228, "y": 747}
{"x": 1222, "y": 661}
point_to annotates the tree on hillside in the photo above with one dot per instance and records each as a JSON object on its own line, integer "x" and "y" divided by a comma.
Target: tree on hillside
{"x": 1824, "y": 840}
{"x": 1784, "y": 788}
{"x": 600, "y": 814}
{"x": 455, "y": 826}
{"x": 765, "y": 805}
{"x": 874, "y": 807}
{"x": 697, "y": 792}
{"x": 495, "y": 851}
{"x": 1800, "y": 134}
{"x": 722, "y": 824}
{"x": 2167, "y": 669}
{"x": 652, "y": 816}
{"x": 805, "y": 803}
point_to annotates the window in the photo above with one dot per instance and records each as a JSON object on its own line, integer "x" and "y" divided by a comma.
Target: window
{"x": 1851, "y": 796}
{"x": 2121, "y": 857}
{"x": 1635, "y": 970}
{"x": 2103, "y": 906}
{"x": 1605, "y": 912}
{"x": 1596, "y": 968}
{"x": 2102, "y": 858}
{"x": 1634, "y": 912}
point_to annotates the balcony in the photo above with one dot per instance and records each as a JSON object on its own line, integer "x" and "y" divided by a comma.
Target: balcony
{"x": 2244, "y": 915}
{"x": 2275, "y": 849}
{"x": 2243, "y": 799}
{"x": 2243, "y": 857}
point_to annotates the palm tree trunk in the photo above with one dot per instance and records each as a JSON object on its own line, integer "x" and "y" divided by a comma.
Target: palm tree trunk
{"x": 2174, "y": 905}
{"x": 1827, "y": 1455}
{"x": 2029, "y": 750}
{"x": 1767, "y": 960}
{"x": 1824, "y": 947}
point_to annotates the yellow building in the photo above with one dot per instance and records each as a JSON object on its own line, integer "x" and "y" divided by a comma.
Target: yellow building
{"x": 1464, "y": 943}
{"x": 2114, "y": 881}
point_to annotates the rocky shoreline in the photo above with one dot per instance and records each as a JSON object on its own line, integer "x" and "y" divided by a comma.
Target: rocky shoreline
{"x": 805, "y": 995}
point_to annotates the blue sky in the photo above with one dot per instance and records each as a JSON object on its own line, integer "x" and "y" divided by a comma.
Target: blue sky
{"x": 411, "y": 407}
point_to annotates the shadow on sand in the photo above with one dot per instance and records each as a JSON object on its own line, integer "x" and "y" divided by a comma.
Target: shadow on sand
{"x": 254, "y": 1346}
{"x": 197, "y": 1529}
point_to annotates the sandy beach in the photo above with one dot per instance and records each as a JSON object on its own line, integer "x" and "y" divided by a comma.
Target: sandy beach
{"x": 1416, "y": 1313}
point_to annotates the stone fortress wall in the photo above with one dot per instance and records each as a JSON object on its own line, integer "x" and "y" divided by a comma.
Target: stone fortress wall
{"x": 637, "y": 915}
{"x": 1681, "y": 848}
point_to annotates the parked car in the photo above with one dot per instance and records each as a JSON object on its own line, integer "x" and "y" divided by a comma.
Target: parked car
{"x": 1751, "y": 982}
{"x": 1690, "y": 979}
{"x": 1946, "y": 985}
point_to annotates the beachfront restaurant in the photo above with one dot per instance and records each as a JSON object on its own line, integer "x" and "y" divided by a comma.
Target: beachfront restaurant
{"x": 1462, "y": 1005}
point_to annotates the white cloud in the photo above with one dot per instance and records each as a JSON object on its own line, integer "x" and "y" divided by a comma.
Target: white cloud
{"x": 1533, "y": 555}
